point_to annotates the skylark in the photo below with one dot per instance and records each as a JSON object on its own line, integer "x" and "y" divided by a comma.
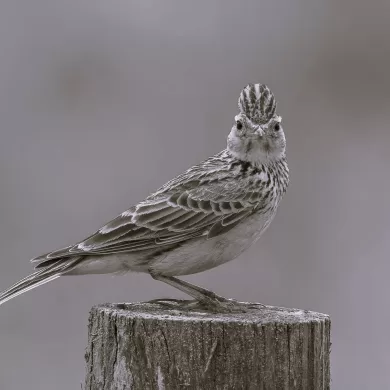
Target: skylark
{"x": 202, "y": 218}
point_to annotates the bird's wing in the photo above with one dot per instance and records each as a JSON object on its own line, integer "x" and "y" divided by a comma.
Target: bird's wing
{"x": 199, "y": 202}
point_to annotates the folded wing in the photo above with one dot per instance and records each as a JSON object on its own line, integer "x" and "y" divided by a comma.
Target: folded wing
{"x": 193, "y": 206}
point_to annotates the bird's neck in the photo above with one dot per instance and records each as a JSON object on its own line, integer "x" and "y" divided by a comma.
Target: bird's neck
{"x": 258, "y": 160}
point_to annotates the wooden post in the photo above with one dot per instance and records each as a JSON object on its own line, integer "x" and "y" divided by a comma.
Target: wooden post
{"x": 144, "y": 346}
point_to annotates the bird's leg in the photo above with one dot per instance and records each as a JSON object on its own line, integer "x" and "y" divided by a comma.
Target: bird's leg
{"x": 204, "y": 298}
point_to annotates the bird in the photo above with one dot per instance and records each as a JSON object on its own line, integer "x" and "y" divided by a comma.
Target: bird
{"x": 206, "y": 216}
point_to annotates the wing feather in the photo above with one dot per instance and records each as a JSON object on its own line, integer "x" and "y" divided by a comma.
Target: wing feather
{"x": 193, "y": 204}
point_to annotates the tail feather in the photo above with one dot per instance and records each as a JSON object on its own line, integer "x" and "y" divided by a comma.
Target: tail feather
{"x": 43, "y": 276}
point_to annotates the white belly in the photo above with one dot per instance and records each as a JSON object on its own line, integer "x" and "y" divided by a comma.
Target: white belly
{"x": 202, "y": 254}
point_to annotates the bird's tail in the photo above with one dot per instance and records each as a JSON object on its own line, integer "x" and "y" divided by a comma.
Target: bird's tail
{"x": 44, "y": 275}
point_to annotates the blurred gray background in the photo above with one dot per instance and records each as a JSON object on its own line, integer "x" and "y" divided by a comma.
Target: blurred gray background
{"x": 103, "y": 101}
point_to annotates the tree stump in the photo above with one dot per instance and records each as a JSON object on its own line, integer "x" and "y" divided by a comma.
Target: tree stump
{"x": 144, "y": 346}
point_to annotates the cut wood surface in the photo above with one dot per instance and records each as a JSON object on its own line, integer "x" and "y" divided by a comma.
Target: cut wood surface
{"x": 145, "y": 346}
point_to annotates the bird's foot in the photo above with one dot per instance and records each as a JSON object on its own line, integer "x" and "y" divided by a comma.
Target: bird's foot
{"x": 176, "y": 304}
{"x": 210, "y": 303}
{"x": 218, "y": 304}
{"x": 205, "y": 300}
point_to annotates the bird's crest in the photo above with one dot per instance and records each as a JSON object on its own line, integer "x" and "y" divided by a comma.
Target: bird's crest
{"x": 258, "y": 103}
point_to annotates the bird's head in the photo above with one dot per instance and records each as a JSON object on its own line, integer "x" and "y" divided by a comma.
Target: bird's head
{"x": 257, "y": 134}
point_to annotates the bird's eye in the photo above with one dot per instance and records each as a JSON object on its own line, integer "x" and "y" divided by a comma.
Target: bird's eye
{"x": 239, "y": 125}
{"x": 277, "y": 127}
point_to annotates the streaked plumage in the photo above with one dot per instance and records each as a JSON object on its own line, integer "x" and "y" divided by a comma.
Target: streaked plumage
{"x": 202, "y": 218}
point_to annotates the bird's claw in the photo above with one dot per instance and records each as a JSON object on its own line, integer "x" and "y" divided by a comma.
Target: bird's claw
{"x": 214, "y": 304}
{"x": 224, "y": 305}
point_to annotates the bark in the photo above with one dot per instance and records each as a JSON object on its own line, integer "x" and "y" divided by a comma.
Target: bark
{"x": 144, "y": 346}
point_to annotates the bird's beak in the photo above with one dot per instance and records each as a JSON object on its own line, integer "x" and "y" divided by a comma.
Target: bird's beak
{"x": 260, "y": 132}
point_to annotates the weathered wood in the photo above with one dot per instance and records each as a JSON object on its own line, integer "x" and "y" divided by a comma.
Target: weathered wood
{"x": 145, "y": 346}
